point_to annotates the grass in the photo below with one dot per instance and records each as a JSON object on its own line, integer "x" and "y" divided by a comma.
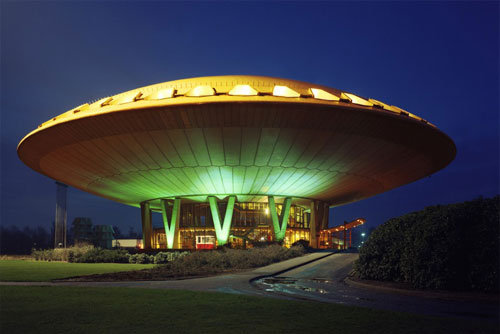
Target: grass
{"x": 38, "y": 271}
{"x": 193, "y": 264}
{"x": 134, "y": 310}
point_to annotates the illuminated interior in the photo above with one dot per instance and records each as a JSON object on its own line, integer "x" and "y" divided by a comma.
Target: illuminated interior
{"x": 250, "y": 224}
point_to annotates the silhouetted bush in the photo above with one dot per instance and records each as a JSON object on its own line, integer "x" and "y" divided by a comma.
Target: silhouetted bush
{"x": 61, "y": 254}
{"x": 452, "y": 246}
{"x": 141, "y": 258}
{"x": 99, "y": 255}
{"x": 165, "y": 257}
{"x": 161, "y": 258}
{"x": 133, "y": 258}
{"x": 215, "y": 261}
{"x": 263, "y": 244}
{"x": 302, "y": 242}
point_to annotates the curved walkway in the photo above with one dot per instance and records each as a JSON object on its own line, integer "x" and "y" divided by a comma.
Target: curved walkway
{"x": 325, "y": 281}
{"x": 319, "y": 276}
{"x": 229, "y": 283}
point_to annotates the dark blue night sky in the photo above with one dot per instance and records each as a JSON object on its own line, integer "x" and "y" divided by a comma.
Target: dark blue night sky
{"x": 438, "y": 60}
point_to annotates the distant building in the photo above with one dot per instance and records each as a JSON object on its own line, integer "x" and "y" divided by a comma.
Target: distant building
{"x": 103, "y": 236}
{"x": 82, "y": 231}
{"x": 98, "y": 235}
{"x": 127, "y": 243}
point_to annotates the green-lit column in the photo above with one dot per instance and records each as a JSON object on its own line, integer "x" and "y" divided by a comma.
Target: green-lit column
{"x": 147, "y": 225}
{"x": 171, "y": 229}
{"x": 222, "y": 232}
{"x": 279, "y": 227}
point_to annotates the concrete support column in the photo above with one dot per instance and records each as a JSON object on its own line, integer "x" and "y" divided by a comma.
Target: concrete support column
{"x": 61, "y": 216}
{"x": 350, "y": 238}
{"x": 147, "y": 225}
{"x": 222, "y": 230}
{"x": 319, "y": 220}
{"x": 326, "y": 216}
{"x": 279, "y": 223}
{"x": 172, "y": 227}
{"x": 313, "y": 237}
{"x": 345, "y": 237}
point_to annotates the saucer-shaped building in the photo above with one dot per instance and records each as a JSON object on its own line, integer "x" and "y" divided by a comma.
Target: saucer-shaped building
{"x": 236, "y": 158}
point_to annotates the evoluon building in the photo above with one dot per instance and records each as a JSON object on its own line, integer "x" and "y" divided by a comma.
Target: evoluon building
{"x": 236, "y": 158}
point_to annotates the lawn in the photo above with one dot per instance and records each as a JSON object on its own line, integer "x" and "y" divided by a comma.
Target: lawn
{"x": 134, "y": 310}
{"x": 19, "y": 270}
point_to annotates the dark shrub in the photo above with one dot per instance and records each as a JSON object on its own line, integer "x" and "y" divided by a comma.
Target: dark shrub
{"x": 99, "y": 255}
{"x": 141, "y": 258}
{"x": 165, "y": 257}
{"x": 216, "y": 261}
{"x": 441, "y": 247}
{"x": 264, "y": 244}
{"x": 161, "y": 258}
{"x": 71, "y": 256}
{"x": 60, "y": 254}
{"x": 302, "y": 242}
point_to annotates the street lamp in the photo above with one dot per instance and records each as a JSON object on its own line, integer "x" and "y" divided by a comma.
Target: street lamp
{"x": 363, "y": 237}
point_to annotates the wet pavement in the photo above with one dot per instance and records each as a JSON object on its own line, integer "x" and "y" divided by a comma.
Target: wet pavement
{"x": 324, "y": 281}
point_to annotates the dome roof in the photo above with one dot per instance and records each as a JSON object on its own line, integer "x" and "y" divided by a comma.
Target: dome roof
{"x": 250, "y": 136}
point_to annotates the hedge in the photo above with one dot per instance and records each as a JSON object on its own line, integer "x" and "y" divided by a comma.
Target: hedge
{"x": 454, "y": 247}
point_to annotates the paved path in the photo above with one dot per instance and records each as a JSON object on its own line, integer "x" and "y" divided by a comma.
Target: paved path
{"x": 317, "y": 276}
{"x": 324, "y": 280}
{"x": 230, "y": 283}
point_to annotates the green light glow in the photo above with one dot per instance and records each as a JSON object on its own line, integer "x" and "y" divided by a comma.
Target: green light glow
{"x": 220, "y": 161}
{"x": 280, "y": 227}
{"x": 171, "y": 231}
{"x": 222, "y": 232}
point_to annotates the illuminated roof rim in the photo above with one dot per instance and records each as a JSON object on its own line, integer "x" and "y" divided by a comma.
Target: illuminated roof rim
{"x": 330, "y": 104}
{"x": 106, "y": 105}
{"x": 232, "y": 99}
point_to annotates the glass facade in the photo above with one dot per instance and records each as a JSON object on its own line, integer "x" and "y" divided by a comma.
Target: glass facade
{"x": 251, "y": 223}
